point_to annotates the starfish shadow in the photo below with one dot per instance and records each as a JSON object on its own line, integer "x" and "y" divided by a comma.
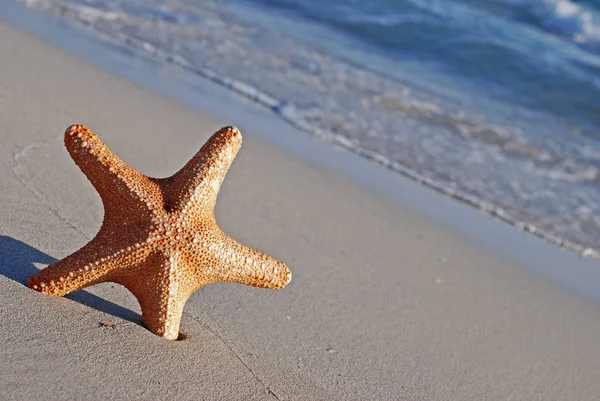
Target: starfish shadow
{"x": 17, "y": 263}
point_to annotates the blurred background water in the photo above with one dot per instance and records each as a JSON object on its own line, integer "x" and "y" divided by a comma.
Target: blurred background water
{"x": 493, "y": 102}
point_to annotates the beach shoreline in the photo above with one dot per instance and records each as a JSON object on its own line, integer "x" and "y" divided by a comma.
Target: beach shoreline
{"x": 398, "y": 293}
{"x": 517, "y": 172}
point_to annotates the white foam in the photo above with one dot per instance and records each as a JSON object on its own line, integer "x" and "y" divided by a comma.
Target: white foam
{"x": 563, "y": 17}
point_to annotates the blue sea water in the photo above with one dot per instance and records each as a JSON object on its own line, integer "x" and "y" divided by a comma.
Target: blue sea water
{"x": 495, "y": 103}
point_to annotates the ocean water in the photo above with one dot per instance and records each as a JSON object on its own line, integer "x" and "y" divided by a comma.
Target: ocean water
{"x": 495, "y": 103}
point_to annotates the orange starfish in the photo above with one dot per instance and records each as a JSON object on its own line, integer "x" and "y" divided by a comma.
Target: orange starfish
{"x": 159, "y": 237}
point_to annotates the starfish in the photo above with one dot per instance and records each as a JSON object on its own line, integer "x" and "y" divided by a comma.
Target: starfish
{"x": 159, "y": 237}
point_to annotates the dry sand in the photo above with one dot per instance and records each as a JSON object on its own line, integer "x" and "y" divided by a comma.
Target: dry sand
{"x": 385, "y": 304}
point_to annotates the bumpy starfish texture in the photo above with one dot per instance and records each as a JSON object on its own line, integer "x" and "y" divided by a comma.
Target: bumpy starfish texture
{"x": 159, "y": 237}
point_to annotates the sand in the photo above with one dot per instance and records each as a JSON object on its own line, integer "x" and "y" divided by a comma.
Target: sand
{"x": 385, "y": 303}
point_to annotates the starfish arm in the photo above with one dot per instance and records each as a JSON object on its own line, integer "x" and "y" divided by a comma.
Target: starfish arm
{"x": 238, "y": 263}
{"x": 198, "y": 182}
{"x": 162, "y": 287}
{"x": 119, "y": 185}
{"x": 88, "y": 266}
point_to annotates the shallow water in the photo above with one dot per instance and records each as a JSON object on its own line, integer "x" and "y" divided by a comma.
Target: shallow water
{"x": 494, "y": 103}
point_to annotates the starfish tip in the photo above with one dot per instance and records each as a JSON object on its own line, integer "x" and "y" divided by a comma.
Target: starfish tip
{"x": 74, "y": 129}
{"x": 288, "y": 278}
{"x": 233, "y": 129}
{"x": 284, "y": 277}
{"x": 76, "y": 137}
{"x": 35, "y": 284}
{"x": 231, "y": 133}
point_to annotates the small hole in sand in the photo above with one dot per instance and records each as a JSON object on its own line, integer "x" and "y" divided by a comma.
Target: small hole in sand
{"x": 107, "y": 325}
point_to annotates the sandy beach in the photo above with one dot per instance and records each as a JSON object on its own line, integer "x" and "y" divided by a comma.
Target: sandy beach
{"x": 385, "y": 303}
